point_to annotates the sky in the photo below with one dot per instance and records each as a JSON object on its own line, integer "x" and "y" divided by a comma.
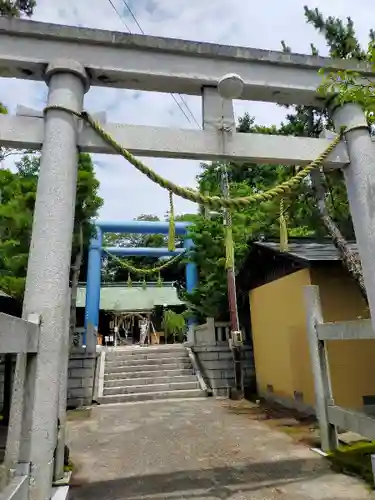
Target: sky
{"x": 263, "y": 25}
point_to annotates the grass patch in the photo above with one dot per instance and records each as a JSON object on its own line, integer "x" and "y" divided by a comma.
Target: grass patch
{"x": 354, "y": 459}
{"x": 69, "y": 467}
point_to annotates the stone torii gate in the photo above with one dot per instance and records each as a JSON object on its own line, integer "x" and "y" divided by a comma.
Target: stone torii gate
{"x": 70, "y": 60}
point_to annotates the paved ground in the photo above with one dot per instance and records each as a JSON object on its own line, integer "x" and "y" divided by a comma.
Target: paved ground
{"x": 195, "y": 450}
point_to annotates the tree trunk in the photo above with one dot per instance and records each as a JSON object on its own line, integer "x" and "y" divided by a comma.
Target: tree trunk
{"x": 349, "y": 258}
{"x": 76, "y": 267}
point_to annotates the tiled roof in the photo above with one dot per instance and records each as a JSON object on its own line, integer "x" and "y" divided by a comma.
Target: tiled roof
{"x": 135, "y": 298}
{"x": 309, "y": 250}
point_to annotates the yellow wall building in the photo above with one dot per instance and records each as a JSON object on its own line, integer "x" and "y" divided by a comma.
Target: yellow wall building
{"x": 278, "y": 323}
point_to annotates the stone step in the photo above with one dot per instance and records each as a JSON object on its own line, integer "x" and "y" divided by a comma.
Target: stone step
{"x": 148, "y": 373}
{"x": 146, "y": 353}
{"x": 118, "y": 368}
{"x": 147, "y": 361}
{"x": 167, "y": 379}
{"x": 146, "y": 357}
{"x": 152, "y": 347}
{"x": 138, "y": 389}
{"x": 146, "y": 396}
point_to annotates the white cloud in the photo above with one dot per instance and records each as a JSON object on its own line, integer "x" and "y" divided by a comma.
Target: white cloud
{"x": 127, "y": 193}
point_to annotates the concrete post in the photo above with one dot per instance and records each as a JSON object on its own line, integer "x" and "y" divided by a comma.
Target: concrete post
{"x": 320, "y": 369}
{"x": 47, "y": 282}
{"x": 191, "y": 274}
{"x": 360, "y": 185}
{"x": 92, "y": 306}
{"x": 63, "y": 393}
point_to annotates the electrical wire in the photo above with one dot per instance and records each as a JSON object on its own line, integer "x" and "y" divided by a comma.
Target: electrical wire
{"x": 127, "y": 6}
{"x": 174, "y": 98}
{"x": 133, "y": 16}
{"x": 189, "y": 110}
{"x": 119, "y": 15}
{"x": 182, "y": 109}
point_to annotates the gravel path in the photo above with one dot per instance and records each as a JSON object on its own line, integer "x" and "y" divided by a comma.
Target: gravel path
{"x": 195, "y": 450}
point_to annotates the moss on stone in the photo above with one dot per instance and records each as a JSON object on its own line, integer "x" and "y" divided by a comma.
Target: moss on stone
{"x": 354, "y": 459}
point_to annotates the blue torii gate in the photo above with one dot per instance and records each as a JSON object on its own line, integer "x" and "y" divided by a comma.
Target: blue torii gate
{"x": 140, "y": 227}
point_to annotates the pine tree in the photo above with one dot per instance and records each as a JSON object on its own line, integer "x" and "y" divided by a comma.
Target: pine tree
{"x": 307, "y": 215}
{"x": 342, "y": 42}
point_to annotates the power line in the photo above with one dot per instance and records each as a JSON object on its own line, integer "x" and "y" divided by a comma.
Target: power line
{"x": 181, "y": 108}
{"x": 190, "y": 111}
{"x": 133, "y": 16}
{"x": 126, "y": 4}
{"x": 174, "y": 98}
{"x": 119, "y": 15}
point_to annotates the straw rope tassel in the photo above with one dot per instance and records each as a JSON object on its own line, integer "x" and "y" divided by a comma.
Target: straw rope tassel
{"x": 172, "y": 227}
{"x": 130, "y": 283}
{"x": 160, "y": 281}
{"x": 283, "y": 228}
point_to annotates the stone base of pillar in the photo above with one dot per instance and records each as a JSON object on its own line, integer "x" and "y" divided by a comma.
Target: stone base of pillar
{"x": 81, "y": 378}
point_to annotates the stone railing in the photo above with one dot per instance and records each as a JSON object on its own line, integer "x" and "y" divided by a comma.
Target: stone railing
{"x": 215, "y": 357}
{"x": 81, "y": 375}
{"x": 18, "y": 337}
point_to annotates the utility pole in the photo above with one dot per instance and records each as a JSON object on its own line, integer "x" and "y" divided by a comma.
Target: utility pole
{"x": 235, "y": 341}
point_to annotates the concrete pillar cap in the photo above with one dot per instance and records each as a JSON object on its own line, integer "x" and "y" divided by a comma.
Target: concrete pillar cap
{"x": 349, "y": 115}
{"x": 68, "y": 66}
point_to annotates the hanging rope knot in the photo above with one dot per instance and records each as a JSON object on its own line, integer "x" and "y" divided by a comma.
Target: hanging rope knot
{"x": 85, "y": 116}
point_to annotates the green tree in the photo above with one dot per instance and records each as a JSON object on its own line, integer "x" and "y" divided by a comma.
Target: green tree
{"x": 306, "y": 217}
{"x": 257, "y": 220}
{"x": 16, "y": 211}
{"x": 88, "y": 204}
{"x": 347, "y": 86}
{"x": 17, "y": 8}
{"x": 18, "y": 191}
{"x": 330, "y": 189}
{"x": 112, "y": 269}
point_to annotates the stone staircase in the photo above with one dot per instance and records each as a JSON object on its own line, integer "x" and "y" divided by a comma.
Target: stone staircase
{"x": 147, "y": 373}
